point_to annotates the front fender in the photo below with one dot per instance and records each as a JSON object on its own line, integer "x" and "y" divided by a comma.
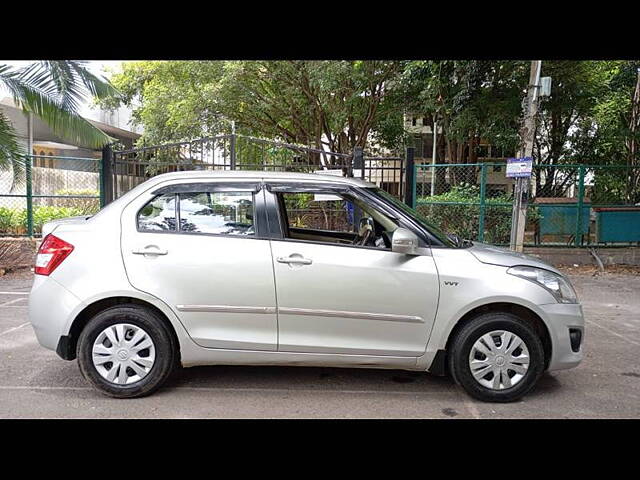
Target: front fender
{"x": 466, "y": 284}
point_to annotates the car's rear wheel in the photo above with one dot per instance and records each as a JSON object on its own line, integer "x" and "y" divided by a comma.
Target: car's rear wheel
{"x": 126, "y": 352}
{"x": 497, "y": 357}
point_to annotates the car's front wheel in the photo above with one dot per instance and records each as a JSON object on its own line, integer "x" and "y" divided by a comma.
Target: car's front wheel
{"x": 125, "y": 352}
{"x": 496, "y": 357}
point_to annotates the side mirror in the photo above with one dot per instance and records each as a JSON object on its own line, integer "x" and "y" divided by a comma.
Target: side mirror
{"x": 405, "y": 241}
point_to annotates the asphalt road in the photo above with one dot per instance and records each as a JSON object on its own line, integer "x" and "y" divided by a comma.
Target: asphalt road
{"x": 35, "y": 383}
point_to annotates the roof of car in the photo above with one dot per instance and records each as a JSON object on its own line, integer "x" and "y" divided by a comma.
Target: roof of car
{"x": 233, "y": 174}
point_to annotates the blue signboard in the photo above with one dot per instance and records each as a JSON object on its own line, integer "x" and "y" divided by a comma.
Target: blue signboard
{"x": 519, "y": 167}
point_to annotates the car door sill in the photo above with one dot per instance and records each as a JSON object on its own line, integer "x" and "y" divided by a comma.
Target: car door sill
{"x": 220, "y": 356}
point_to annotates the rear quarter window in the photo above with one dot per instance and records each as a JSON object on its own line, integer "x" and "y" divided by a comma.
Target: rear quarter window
{"x": 159, "y": 214}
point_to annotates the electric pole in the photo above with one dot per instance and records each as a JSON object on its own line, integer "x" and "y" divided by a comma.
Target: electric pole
{"x": 434, "y": 151}
{"x": 527, "y": 137}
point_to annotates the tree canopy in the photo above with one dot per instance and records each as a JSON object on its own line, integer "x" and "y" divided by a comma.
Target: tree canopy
{"x": 332, "y": 104}
{"x": 338, "y": 105}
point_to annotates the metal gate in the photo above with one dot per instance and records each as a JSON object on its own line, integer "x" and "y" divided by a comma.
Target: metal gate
{"x": 129, "y": 168}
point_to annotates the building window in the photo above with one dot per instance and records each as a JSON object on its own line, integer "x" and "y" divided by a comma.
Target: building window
{"x": 43, "y": 159}
{"x": 414, "y": 121}
{"x": 418, "y": 145}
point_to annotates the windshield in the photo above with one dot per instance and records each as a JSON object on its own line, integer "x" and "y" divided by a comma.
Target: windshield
{"x": 415, "y": 216}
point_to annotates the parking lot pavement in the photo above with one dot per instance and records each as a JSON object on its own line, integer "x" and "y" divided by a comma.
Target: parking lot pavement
{"x": 35, "y": 383}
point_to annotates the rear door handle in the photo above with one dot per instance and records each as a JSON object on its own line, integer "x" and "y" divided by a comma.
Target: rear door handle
{"x": 295, "y": 260}
{"x": 149, "y": 250}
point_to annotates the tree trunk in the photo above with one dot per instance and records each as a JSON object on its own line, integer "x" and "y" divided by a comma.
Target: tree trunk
{"x": 471, "y": 173}
{"x": 441, "y": 173}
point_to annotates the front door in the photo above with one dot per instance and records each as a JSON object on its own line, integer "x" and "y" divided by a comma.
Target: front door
{"x": 198, "y": 249}
{"x": 340, "y": 289}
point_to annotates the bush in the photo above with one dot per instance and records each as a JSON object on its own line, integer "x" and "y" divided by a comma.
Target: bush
{"x": 13, "y": 221}
{"x": 461, "y": 213}
{"x": 44, "y": 214}
{"x": 87, "y": 206}
{"x": 8, "y": 219}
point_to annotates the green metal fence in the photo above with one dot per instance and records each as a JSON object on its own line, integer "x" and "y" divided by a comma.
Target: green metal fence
{"x": 569, "y": 205}
{"x": 46, "y": 187}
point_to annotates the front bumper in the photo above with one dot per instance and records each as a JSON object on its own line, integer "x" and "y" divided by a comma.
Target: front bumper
{"x": 50, "y": 310}
{"x": 562, "y": 321}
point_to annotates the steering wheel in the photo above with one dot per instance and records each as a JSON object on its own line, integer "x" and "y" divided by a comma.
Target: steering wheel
{"x": 365, "y": 231}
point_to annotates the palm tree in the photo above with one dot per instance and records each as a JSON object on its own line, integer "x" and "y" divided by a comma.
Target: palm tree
{"x": 53, "y": 91}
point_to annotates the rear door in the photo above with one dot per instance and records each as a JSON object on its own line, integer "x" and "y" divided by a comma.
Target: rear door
{"x": 200, "y": 248}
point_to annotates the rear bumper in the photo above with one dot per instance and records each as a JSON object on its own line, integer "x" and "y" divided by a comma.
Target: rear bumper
{"x": 50, "y": 310}
{"x": 562, "y": 320}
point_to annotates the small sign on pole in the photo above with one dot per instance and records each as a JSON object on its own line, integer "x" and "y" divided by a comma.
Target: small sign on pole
{"x": 545, "y": 86}
{"x": 519, "y": 167}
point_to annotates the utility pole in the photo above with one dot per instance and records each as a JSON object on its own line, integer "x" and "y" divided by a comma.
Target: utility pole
{"x": 527, "y": 137}
{"x": 433, "y": 157}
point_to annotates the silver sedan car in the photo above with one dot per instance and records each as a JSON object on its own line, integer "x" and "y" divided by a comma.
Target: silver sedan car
{"x": 257, "y": 268}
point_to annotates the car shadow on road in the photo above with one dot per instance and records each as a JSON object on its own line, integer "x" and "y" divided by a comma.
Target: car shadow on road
{"x": 302, "y": 378}
{"x": 547, "y": 384}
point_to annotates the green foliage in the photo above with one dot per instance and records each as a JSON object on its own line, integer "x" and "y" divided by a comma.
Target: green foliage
{"x": 471, "y": 100}
{"x": 87, "y": 192}
{"x": 11, "y": 152}
{"x": 173, "y": 100}
{"x": 13, "y": 221}
{"x": 586, "y": 121}
{"x": 458, "y": 211}
{"x": 53, "y": 91}
{"x": 332, "y": 103}
{"x": 341, "y": 104}
{"x": 86, "y": 206}
{"x": 8, "y": 220}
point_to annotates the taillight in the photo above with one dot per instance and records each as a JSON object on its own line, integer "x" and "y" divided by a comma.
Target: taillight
{"x": 51, "y": 253}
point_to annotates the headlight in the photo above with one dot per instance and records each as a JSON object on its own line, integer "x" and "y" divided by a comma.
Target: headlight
{"x": 560, "y": 288}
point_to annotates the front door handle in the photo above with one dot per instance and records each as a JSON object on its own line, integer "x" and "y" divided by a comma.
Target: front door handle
{"x": 295, "y": 260}
{"x": 149, "y": 250}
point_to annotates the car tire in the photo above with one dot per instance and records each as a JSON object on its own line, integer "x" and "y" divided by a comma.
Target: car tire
{"x": 483, "y": 334}
{"x": 153, "y": 364}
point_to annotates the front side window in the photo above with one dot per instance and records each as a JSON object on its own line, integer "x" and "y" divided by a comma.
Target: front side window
{"x": 415, "y": 216}
{"x": 222, "y": 213}
{"x": 319, "y": 212}
{"x": 328, "y": 217}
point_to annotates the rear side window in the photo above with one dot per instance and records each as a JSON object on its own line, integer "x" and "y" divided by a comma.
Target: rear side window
{"x": 227, "y": 213}
{"x": 222, "y": 213}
